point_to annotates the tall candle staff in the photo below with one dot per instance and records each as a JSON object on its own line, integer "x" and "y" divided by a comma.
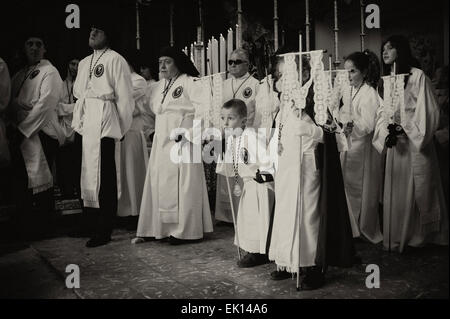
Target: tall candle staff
{"x": 336, "y": 35}
{"x": 275, "y": 24}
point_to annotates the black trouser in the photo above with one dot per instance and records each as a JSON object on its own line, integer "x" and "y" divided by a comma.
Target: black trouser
{"x": 38, "y": 218}
{"x": 66, "y": 167}
{"x": 77, "y": 159}
{"x": 103, "y": 217}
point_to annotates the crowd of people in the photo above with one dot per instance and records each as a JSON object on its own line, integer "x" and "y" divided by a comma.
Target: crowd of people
{"x": 111, "y": 134}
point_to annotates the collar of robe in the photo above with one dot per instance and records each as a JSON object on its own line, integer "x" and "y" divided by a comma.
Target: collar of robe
{"x": 243, "y": 77}
{"x": 99, "y": 51}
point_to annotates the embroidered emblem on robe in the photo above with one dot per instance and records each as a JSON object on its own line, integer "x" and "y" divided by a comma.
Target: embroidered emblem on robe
{"x": 247, "y": 92}
{"x": 34, "y": 74}
{"x": 177, "y": 92}
{"x": 99, "y": 69}
{"x": 244, "y": 155}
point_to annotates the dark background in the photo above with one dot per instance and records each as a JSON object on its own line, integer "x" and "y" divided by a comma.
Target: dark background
{"x": 47, "y": 17}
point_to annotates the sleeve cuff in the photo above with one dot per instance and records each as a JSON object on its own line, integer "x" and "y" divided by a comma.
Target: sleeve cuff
{"x": 317, "y": 133}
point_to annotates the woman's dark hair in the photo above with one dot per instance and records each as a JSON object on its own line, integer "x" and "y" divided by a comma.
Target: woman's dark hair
{"x": 182, "y": 61}
{"x": 367, "y": 63}
{"x": 405, "y": 59}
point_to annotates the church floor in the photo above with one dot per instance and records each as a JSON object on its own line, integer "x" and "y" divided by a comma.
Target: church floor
{"x": 201, "y": 270}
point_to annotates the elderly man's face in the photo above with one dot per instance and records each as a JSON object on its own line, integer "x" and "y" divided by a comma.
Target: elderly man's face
{"x": 167, "y": 68}
{"x": 238, "y": 65}
{"x": 73, "y": 67}
{"x": 97, "y": 39}
{"x": 34, "y": 50}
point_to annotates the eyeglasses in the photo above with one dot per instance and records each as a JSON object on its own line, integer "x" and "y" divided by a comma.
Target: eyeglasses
{"x": 236, "y": 62}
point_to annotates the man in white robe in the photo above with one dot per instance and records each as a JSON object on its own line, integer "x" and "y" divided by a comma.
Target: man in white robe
{"x": 5, "y": 158}
{"x": 240, "y": 85}
{"x": 36, "y": 90}
{"x": 67, "y": 170}
{"x": 5, "y": 85}
{"x": 102, "y": 115}
{"x": 133, "y": 153}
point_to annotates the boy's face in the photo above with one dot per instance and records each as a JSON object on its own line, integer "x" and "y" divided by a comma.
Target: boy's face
{"x": 231, "y": 119}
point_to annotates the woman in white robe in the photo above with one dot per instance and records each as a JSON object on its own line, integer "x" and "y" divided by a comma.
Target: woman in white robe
{"x": 133, "y": 152}
{"x": 413, "y": 202}
{"x": 175, "y": 201}
{"x": 361, "y": 164}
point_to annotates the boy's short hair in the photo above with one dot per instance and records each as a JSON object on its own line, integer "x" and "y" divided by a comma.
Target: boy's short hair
{"x": 238, "y": 105}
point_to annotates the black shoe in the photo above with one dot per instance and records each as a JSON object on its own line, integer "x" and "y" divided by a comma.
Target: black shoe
{"x": 314, "y": 279}
{"x": 281, "y": 275}
{"x": 97, "y": 241}
{"x": 252, "y": 260}
{"x": 176, "y": 241}
{"x": 224, "y": 224}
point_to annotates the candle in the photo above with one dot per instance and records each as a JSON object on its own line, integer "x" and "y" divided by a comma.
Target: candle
{"x": 215, "y": 56}
{"x": 336, "y": 31}
{"x": 222, "y": 52}
{"x": 202, "y": 59}
{"x": 275, "y": 24}
{"x": 330, "y": 66}
{"x": 229, "y": 45}
{"x": 239, "y": 22}
{"x": 394, "y": 69}
{"x": 300, "y": 60}
{"x": 208, "y": 57}
{"x": 199, "y": 34}
{"x": 307, "y": 24}
{"x": 238, "y": 36}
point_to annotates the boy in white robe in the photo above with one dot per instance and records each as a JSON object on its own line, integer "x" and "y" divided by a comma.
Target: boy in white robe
{"x": 69, "y": 154}
{"x": 244, "y": 157}
{"x": 240, "y": 85}
{"x": 102, "y": 115}
{"x": 311, "y": 228}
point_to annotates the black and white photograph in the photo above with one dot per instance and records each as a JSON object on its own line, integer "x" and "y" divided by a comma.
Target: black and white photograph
{"x": 216, "y": 156}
